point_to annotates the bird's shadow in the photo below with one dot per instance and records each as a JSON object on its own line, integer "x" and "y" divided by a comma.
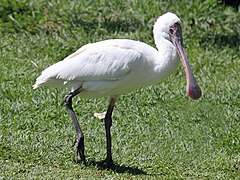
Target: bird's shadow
{"x": 117, "y": 168}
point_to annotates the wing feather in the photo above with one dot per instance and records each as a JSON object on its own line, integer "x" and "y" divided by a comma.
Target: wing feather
{"x": 92, "y": 62}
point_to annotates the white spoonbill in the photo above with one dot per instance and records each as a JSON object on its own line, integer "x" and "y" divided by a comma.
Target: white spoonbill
{"x": 118, "y": 66}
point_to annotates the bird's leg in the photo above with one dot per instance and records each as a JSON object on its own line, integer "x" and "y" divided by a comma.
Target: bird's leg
{"x": 79, "y": 135}
{"x": 108, "y": 124}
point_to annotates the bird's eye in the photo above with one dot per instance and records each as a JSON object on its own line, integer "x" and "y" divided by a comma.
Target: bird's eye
{"x": 171, "y": 30}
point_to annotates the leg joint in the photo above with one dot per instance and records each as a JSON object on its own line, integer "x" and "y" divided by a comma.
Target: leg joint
{"x": 108, "y": 121}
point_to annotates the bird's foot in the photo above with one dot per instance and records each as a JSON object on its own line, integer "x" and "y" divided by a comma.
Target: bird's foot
{"x": 79, "y": 143}
{"x": 100, "y": 116}
{"x": 107, "y": 163}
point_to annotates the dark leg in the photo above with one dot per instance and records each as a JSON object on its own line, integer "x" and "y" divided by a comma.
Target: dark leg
{"x": 79, "y": 135}
{"x": 108, "y": 124}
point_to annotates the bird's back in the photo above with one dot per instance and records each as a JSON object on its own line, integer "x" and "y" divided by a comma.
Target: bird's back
{"x": 104, "y": 68}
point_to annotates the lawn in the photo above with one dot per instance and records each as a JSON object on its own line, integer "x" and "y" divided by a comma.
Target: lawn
{"x": 157, "y": 132}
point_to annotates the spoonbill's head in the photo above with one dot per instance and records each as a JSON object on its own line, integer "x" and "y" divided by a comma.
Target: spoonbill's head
{"x": 168, "y": 26}
{"x": 161, "y": 28}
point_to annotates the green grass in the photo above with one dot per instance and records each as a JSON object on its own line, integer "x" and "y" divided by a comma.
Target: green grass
{"x": 158, "y": 133}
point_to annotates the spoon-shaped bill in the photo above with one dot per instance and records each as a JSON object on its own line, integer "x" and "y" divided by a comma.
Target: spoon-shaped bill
{"x": 193, "y": 89}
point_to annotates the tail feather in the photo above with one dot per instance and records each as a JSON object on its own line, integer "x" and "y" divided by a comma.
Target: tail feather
{"x": 35, "y": 86}
{"x": 49, "y": 77}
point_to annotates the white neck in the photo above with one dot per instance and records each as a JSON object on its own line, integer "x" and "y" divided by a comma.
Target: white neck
{"x": 168, "y": 56}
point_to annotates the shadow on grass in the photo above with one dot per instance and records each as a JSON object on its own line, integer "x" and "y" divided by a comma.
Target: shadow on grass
{"x": 117, "y": 168}
{"x": 108, "y": 24}
{"x": 221, "y": 41}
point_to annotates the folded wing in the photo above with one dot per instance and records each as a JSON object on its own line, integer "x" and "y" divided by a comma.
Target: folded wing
{"x": 92, "y": 62}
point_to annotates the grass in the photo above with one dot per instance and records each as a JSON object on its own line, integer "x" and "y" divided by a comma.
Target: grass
{"x": 158, "y": 133}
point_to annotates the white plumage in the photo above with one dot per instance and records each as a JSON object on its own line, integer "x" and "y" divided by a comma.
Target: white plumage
{"x": 114, "y": 67}
{"x": 117, "y": 66}
{"x": 110, "y": 67}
